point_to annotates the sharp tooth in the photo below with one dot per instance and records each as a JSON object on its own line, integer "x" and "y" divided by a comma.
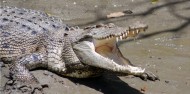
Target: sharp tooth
{"x": 123, "y": 35}
{"x": 126, "y": 34}
{"x": 120, "y": 37}
{"x": 137, "y": 31}
{"x": 133, "y": 32}
{"x": 117, "y": 39}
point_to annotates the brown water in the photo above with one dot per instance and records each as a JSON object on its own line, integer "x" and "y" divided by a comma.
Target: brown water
{"x": 164, "y": 49}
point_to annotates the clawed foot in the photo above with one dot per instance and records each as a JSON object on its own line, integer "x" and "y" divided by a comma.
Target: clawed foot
{"x": 13, "y": 86}
{"x": 22, "y": 84}
{"x": 148, "y": 76}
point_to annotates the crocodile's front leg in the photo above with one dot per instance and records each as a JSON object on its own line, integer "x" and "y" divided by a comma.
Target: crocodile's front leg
{"x": 22, "y": 79}
{"x": 20, "y": 69}
{"x": 86, "y": 52}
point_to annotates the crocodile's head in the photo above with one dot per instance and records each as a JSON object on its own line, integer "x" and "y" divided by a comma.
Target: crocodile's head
{"x": 105, "y": 38}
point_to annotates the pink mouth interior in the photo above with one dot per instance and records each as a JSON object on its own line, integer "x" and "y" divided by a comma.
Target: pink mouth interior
{"x": 112, "y": 53}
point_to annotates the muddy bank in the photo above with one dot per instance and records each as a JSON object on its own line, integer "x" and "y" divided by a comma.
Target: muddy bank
{"x": 163, "y": 49}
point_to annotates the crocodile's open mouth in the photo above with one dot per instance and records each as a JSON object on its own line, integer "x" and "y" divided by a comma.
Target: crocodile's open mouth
{"x": 107, "y": 45}
{"x": 112, "y": 52}
{"x": 103, "y": 40}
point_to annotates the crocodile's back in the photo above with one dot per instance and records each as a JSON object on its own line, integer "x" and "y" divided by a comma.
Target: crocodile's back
{"x": 21, "y": 30}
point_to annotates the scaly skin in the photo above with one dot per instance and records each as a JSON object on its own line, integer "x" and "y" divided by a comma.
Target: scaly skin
{"x": 32, "y": 36}
{"x": 31, "y": 39}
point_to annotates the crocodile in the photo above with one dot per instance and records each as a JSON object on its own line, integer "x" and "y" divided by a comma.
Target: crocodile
{"x": 31, "y": 39}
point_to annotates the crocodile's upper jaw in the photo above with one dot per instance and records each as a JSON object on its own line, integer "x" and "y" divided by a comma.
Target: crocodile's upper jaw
{"x": 110, "y": 39}
{"x": 110, "y": 35}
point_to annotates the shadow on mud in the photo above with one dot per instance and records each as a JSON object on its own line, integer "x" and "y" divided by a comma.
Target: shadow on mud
{"x": 107, "y": 85}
